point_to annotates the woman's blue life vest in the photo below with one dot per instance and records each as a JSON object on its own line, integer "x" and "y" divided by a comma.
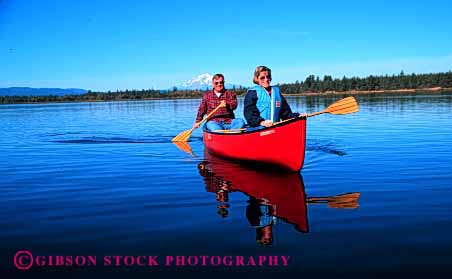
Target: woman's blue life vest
{"x": 269, "y": 106}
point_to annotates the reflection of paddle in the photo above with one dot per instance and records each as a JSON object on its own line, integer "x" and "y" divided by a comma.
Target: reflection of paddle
{"x": 185, "y": 135}
{"x": 344, "y": 106}
{"x": 348, "y": 200}
{"x": 184, "y": 146}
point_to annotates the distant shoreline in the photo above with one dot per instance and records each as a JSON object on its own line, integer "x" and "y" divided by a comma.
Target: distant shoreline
{"x": 365, "y": 92}
{"x": 432, "y": 90}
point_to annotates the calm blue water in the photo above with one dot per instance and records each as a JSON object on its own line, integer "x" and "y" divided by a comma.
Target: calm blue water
{"x": 105, "y": 179}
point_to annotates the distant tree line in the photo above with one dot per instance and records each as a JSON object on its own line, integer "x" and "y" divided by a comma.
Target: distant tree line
{"x": 311, "y": 84}
{"x": 370, "y": 83}
{"x": 92, "y": 96}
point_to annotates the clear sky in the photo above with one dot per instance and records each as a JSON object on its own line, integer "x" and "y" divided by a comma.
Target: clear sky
{"x": 109, "y": 45}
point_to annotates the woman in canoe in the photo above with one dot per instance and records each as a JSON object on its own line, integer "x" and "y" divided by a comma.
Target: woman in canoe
{"x": 264, "y": 104}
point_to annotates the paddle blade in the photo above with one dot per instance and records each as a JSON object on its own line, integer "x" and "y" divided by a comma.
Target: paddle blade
{"x": 344, "y": 106}
{"x": 183, "y": 136}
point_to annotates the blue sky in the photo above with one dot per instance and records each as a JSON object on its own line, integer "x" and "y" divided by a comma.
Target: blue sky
{"x": 109, "y": 45}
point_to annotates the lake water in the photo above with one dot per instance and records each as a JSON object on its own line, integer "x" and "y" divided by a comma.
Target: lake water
{"x": 104, "y": 179}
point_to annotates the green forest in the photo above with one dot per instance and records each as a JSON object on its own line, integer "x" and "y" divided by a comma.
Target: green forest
{"x": 312, "y": 84}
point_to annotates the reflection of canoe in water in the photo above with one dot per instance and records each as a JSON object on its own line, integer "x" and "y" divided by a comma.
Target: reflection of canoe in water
{"x": 282, "y": 144}
{"x": 283, "y": 192}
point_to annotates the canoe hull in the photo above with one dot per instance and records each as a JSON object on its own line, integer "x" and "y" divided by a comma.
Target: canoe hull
{"x": 281, "y": 145}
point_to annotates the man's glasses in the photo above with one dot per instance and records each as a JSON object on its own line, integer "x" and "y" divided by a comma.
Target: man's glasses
{"x": 265, "y": 77}
{"x": 218, "y": 82}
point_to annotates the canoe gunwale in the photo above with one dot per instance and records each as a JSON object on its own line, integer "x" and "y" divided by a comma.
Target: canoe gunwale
{"x": 280, "y": 124}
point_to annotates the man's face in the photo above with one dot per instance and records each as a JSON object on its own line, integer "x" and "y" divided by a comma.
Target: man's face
{"x": 218, "y": 84}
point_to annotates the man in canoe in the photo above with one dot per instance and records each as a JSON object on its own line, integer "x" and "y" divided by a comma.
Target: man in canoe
{"x": 223, "y": 118}
{"x": 264, "y": 104}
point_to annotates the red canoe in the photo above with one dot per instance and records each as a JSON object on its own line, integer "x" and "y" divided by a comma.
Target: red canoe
{"x": 282, "y": 145}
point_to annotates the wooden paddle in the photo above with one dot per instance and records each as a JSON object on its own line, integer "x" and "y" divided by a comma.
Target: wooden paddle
{"x": 348, "y": 200}
{"x": 185, "y": 135}
{"x": 344, "y": 106}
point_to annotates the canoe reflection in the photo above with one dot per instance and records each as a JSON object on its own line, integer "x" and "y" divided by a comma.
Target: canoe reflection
{"x": 272, "y": 195}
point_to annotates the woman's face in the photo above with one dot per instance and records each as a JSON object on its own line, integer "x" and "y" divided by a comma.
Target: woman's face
{"x": 264, "y": 79}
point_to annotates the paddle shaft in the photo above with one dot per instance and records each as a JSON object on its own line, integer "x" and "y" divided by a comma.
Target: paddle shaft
{"x": 209, "y": 115}
{"x": 185, "y": 135}
{"x": 316, "y": 113}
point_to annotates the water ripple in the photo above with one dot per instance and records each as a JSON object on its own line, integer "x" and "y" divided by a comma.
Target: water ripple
{"x": 106, "y": 140}
{"x": 327, "y": 148}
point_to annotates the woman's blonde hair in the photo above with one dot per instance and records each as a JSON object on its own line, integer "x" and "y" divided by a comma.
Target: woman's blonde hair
{"x": 258, "y": 71}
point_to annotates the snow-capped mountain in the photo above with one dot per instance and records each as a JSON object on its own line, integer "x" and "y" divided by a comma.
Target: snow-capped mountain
{"x": 202, "y": 82}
